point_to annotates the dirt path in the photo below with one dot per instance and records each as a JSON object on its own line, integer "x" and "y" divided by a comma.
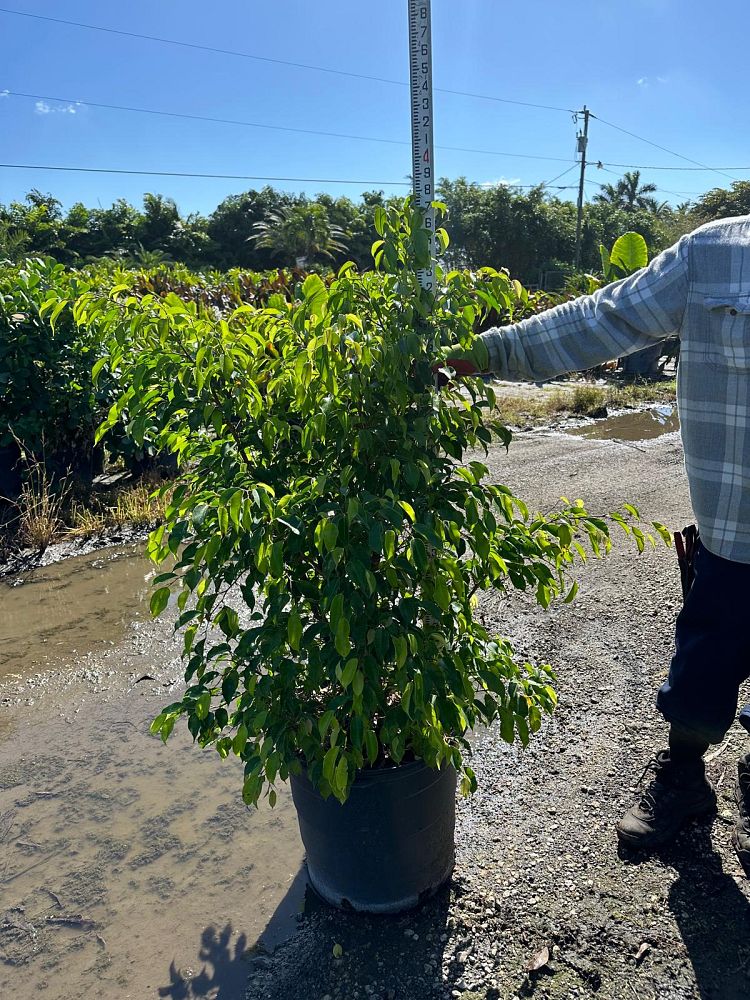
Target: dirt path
{"x": 150, "y": 844}
{"x": 124, "y": 865}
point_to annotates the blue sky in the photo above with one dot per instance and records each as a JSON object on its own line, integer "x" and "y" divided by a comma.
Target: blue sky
{"x": 659, "y": 68}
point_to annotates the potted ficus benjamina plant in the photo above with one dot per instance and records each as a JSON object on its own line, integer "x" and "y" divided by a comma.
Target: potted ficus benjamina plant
{"x": 331, "y": 528}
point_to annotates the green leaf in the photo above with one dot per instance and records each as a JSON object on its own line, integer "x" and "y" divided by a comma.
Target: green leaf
{"x": 159, "y": 601}
{"x": 342, "y": 643}
{"x": 336, "y": 611}
{"x": 604, "y": 256}
{"x": 399, "y": 644}
{"x": 442, "y": 594}
{"x": 294, "y": 628}
{"x": 329, "y": 765}
{"x": 629, "y": 253}
{"x": 347, "y": 674}
{"x": 235, "y": 506}
{"x": 315, "y": 294}
{"x": 342, "y": 774}
{"x": 389, "y": 544}
{"x": 409, "y": 510}
{"x": 664, "y": 533}
{"x": 277, "y": 559}
{"x": 372, "y": 746}
{"x": 329, "y": 534}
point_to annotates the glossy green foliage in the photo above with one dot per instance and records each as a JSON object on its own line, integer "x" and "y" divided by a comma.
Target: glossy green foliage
{"x": 47, "y": 398}
{"x": 46, "y": 392}
{"x": 629, "y": 254}
{"x": 334, "y": 523}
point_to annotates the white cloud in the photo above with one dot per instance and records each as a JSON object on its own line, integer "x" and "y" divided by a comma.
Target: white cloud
{"x": 4, "y": 93}
{"x": 502, "y": 182}
{"x": 42, "y": 108}
{"x": 646, "y": 81}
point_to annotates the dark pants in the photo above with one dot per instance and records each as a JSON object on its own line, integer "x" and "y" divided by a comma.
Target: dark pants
{"x": 712, "y": 655}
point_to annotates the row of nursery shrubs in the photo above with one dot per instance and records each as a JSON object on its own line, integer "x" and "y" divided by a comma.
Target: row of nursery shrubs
{"x": 50, "y": 406}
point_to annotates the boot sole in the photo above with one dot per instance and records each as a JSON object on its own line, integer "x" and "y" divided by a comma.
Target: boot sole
{"x": 660, "y": 840}
{"x": 742, "y": 854}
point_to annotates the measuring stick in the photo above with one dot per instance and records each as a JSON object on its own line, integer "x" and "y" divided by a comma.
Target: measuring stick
{"x": 422, "y": 147}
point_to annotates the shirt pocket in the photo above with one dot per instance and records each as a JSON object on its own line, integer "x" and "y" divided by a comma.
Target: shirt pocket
{"x": 727, "y": 330}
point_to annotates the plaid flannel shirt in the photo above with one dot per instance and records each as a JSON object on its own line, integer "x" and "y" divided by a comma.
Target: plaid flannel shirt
{"x": 699, "y": 290}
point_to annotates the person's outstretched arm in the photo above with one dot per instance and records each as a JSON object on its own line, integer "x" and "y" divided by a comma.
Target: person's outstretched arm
{"x": 621, "y": 318}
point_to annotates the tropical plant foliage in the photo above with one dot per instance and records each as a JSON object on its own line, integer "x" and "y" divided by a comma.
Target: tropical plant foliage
{"x": 629, "y": 254}
{"x": 333, "y": 521}
{"x": 48, "y": 402}
{"x": 630, "y": 194}
{"x": 532, "y": 233}
{"x": 46, "y": 392}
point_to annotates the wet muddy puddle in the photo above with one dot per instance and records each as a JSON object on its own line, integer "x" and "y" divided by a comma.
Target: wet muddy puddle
{"x": 640, "y": 425}
{"x": 53, "y": 614}
{"x": 128, "y": 869}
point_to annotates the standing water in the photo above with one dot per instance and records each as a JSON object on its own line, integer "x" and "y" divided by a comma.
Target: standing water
{"x": 638, "y": 425}
{"x": 128, "y": 869}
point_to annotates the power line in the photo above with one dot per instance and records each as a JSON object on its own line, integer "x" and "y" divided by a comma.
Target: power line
{"x": 547, "y": 184}
{"x": 695, "y": 170}
{"x": 664, "y": 149}
{"x": 267, "y": 59}
{"x": 340, "y": 135}
{"x": 343, "y": 135}
{"x": 238, "y": 177}
{"x": 185, "y": 173}
{"x": 276, "y": 128}
{"x": 659, "y": 190}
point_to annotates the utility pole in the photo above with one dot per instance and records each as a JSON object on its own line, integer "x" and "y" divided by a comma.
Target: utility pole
{"x": 583, "y": 139}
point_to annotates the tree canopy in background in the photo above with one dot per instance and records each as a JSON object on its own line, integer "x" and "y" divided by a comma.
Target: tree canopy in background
{"x": 531, "y": 233}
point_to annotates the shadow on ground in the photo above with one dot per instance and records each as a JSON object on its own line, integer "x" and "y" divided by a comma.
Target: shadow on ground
{"x": 711, "y": 913}
{"x": 225, "y": 958}
{"x": 224, "y": 972}
{"x": 714, "y": 919}
{"x": 384, "y": 958}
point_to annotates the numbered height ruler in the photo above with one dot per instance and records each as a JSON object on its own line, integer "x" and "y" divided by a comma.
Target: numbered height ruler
{"x": 423, "y": 161}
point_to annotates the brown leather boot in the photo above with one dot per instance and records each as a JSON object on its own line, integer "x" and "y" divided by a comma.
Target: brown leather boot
{"x": 678, "y": 792}
{"x": 741, "y": 838}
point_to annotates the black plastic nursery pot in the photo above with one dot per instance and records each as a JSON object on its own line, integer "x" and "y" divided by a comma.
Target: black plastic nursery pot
{"x": 390, "y": 846}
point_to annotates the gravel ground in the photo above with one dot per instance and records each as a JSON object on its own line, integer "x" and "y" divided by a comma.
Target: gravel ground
{"x": 539, "y": 879}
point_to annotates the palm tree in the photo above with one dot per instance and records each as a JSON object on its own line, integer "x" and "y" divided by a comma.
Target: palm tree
{"x": 609, "y": 194}
{"x": 630, "y": 194}
{"x": 300, "y": 233}
{"x": 149, "y": 259}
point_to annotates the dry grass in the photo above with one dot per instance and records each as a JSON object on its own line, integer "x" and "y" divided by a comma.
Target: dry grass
{"x": 50, "y": 510}
{"x": 40, "y": 508}
{"x": 137, "y": 504}
{"x": 581, "y": 400}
